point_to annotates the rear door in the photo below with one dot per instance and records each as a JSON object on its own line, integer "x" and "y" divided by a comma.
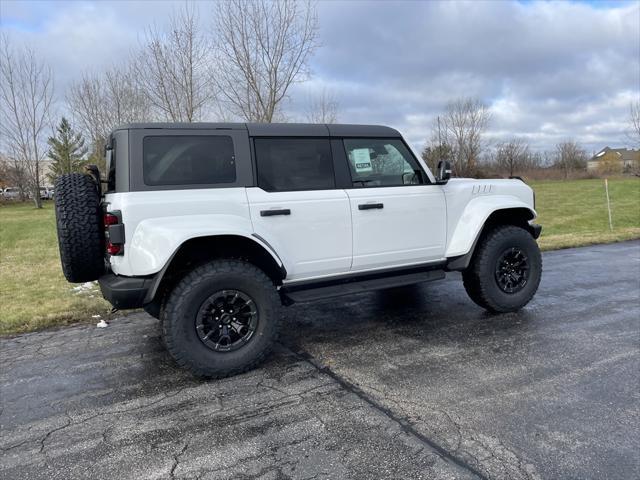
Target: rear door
{"x": 297, "y": 208}
{"x": 398, "y": 217}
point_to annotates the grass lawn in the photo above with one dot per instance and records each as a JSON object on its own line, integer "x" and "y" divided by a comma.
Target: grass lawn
{"x": 33, "y": 291}
{"x": 34, "y": 294}
{"x": 574, "y": 213}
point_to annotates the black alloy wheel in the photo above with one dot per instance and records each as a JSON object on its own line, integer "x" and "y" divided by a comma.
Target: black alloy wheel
{"x": 227, "y": 320}
{"x": 512, "y": 270}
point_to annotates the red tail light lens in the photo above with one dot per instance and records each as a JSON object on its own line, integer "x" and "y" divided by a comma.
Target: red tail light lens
{"x": 113, "y": 249}
{"x": 111, "y": 222}
{"x": 110, "y": 219}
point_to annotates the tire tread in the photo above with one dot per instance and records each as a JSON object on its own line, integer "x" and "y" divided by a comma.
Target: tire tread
{"x": 475, "y": 285}
{"x": 191, "y": 280}
{"x": 79, "y": 226}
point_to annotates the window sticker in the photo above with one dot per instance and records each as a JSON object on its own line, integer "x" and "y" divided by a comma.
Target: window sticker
{"x": 361, "y": 160}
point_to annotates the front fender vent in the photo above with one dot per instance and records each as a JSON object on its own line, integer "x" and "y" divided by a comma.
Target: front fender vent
{"x": 481, "y": 189}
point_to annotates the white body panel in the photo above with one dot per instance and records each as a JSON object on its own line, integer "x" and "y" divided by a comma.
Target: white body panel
{"x": 326, "y": 234}
{"x": 470, "y": 202}
{"x": 157, "y": 223}
{"x": 315, "y": 239}
{"x": 410, "y": 228}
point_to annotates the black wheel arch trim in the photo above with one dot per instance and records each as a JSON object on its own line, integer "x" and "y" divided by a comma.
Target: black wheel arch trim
{"x": 461, "y": 262}
{"x": 157, "y": 278}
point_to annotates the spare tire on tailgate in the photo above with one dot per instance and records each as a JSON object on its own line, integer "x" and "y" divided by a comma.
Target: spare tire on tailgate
{"x": 80, "y": 227}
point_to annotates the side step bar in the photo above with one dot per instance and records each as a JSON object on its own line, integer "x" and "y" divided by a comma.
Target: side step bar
{"x": 305, "y": 292}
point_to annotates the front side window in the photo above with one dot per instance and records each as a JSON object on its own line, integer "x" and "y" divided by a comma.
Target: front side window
{"x": 289, "y": 164}
{"x": 377, "y": 162}
{"x": 188, "y": 160}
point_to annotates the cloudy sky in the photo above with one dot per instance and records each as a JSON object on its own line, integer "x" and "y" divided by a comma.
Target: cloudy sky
{"x": 548, "y": 70}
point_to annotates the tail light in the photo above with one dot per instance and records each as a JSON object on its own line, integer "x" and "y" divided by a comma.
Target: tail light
{"x": 114, "y": 249}
{"x": 110, "y": 219}
{"x": 114, "y": 233}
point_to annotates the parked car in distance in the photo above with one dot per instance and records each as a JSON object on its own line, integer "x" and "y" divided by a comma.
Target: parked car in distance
{"x": 46, "y": 193}
{"x": 11, "y": 193}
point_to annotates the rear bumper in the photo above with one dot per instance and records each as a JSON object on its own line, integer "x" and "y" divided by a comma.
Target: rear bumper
{"x": 125, "y": 292}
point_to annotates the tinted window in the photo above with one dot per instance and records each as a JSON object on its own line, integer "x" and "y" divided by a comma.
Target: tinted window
{"x": 184, "y": 160}
{"x": 110, "y": 161}
{"x": 286, "y": 164}
{"x": 381, "y": 163}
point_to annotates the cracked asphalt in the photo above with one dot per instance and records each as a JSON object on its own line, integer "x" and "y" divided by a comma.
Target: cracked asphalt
{"x": 416, "y": 383}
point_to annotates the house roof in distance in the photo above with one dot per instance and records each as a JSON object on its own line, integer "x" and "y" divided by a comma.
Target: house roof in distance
{"x": 625, "y": 154}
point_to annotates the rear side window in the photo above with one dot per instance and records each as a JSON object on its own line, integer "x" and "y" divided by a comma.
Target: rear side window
{"x": 188, "y": 160}
{"x": 378, "y": 162}
{"x": 110, "y": 161}
{"x": 286, "y": 164}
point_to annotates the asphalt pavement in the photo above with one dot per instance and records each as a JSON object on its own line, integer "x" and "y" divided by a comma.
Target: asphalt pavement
{"x": 415, "y": 383}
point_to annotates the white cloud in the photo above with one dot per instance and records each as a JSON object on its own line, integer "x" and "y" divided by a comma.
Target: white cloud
{"x": 548, "y": 70}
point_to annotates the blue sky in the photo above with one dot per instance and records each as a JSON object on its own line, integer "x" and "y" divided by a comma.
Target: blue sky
{"x": 548, "y": 70}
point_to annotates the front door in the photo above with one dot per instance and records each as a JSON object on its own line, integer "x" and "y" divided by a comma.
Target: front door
{"x": 398, "y": 218}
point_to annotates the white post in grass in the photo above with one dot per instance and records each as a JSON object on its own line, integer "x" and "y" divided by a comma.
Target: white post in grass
{"x": 606, "y": 189}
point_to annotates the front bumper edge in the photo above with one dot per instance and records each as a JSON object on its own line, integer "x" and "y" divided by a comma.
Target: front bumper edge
{"x": 535, "y": 229}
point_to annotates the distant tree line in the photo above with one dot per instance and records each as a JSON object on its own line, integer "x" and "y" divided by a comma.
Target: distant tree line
{"x": 459, "y": 136}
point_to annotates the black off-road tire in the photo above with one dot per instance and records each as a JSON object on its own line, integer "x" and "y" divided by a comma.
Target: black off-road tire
{"x": 480, "y": 279}
{"x": 80, "y": 228}
{"x": 179, "y": 314}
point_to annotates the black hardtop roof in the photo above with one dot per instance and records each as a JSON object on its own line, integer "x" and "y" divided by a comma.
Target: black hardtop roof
{"x": 276, "y": 129}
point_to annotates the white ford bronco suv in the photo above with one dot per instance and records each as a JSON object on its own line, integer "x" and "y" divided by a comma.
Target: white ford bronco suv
{"x": 211, "y": 227}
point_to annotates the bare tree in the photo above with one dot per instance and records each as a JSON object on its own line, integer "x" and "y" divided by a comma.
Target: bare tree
{"x": 262, "y": 47}
{"x": 512, "y": 155}
{"x": 173, "y": 68}
{"x": 87, "y": 99}
{"x": 634, "y": 121}
{"x": 462, "y": 126}
{"x": 323, "y": 108}
{"x": 26, "y": 91}
{"x": 569, "y": 157}
{"x": 103, "y": 101}
{"x": 536, "y": 160}
{"x": 100, "y": 102}
{"x": 125, "y": 101}
{"x": 434, "y": 152}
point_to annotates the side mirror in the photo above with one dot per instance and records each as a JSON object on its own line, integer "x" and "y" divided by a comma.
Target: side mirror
{"x": 444, "y": 172}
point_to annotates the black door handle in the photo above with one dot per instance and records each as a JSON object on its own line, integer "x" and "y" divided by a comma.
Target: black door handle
{"x": 271, "y": 213}
{"x": 370, "y": 206}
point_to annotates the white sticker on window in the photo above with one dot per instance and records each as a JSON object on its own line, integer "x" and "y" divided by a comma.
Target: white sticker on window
{"x": 361, "y": 160}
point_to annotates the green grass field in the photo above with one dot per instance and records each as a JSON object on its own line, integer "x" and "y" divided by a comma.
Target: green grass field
{"x": 33, "y": 291}
{"x": 574, "y": 213}
{"x": 34, "y": 294}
